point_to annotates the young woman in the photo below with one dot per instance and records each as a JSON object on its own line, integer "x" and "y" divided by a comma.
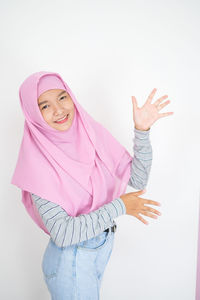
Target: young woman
{"x": 73, "y": 174}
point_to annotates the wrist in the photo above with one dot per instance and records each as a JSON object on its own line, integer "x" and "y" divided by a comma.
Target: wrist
{"x": 142, "y": 129}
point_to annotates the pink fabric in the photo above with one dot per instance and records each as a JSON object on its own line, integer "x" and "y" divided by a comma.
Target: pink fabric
{"x": 80, "y": 169}
{"x": 49, "y": 82}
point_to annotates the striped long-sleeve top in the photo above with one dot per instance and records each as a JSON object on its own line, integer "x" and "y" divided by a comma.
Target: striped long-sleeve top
{"x": 66, "y": 230}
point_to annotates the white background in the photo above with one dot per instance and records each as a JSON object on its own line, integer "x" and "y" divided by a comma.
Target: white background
{"x": 107, "y": 51}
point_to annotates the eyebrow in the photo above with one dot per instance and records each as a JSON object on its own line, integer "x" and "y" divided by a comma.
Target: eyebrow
{"x": 47, "y": 101}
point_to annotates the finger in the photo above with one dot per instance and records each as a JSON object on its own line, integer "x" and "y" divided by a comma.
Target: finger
{"x": 139, "y": 192}
{"x": 149, "y": 99}
{"x": 149, "y": 214}
{"x": 134, "y": 101}
{"x": 159, "y": 107}
{"x": 147, "y": 208}
{"x": 165, "y": 114}
{"x": 141, "y": 219}
{"x": 160, "y": 100}
{"x": 146, "y": 201}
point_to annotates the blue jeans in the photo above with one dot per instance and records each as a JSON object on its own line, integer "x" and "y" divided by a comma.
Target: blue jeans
{"x": 75, "y": 272}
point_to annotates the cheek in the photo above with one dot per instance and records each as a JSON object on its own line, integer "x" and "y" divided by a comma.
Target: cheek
{"x": 47, "y": 116}
{"x": 72, "y": 106}
{"x": 69, "y": 106}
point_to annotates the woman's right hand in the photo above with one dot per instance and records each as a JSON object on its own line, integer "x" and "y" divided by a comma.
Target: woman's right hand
{"x": 136, "y": 205}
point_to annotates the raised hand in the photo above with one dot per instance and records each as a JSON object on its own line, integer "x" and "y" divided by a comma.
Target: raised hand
{"x": 146, "y": 115}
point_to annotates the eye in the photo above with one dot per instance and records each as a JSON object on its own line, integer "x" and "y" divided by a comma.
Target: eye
{"x": 63, "y": 97}
{"x": 47, "y": 105}
{"x": 44, "y": 106}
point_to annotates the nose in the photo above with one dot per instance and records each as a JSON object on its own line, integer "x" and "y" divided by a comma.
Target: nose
{"x": 58, "y": 109}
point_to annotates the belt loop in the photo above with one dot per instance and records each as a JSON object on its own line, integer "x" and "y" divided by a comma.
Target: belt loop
{"x": 115, "y": 227}
{"x": 112, "y": 228}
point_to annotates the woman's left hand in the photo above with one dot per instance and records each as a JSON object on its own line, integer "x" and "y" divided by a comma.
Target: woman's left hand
{"x": 146, "y": 115}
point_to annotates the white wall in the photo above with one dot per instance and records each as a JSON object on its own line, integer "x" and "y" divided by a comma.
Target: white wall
{"x": 107, "y": 51}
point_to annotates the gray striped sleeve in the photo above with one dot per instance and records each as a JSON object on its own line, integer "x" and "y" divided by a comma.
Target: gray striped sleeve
{"x": 142, "y": 160}
{"x": 66, "y": 230}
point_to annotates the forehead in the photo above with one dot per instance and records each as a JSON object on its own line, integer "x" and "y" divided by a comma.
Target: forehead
{"x": 51, "y": 94}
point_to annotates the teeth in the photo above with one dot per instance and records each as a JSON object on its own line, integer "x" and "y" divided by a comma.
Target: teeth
{"x": 61, "y": 119}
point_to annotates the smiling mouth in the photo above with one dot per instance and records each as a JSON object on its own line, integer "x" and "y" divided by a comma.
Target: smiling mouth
{"x": 64, "y": 119}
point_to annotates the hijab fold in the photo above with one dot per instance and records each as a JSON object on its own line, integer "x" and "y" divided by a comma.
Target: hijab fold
{"x": 79, "y": 169}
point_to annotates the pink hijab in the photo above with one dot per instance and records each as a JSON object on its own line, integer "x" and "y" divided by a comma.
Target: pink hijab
{"x": 79, "y": 169}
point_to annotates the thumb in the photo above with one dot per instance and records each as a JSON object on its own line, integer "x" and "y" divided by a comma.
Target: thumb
{"x": 134, "y": 101}
{"x": 140, "y": 192}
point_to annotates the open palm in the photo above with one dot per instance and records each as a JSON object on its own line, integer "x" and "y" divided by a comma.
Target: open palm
{"x": 146, "y": 115}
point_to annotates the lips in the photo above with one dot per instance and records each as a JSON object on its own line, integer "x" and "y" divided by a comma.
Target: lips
{"x": 62, "y": 120}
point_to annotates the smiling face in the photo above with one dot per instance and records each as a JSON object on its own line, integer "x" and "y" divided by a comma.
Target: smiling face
{"x": 54, "y": 105}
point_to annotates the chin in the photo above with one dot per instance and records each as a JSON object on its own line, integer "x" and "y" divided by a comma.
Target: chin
{"x": 62, "y": 128}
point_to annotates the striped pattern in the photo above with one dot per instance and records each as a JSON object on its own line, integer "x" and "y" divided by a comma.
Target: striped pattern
{"x": 66, "y": 230}
{"x": 142, "y": 160}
